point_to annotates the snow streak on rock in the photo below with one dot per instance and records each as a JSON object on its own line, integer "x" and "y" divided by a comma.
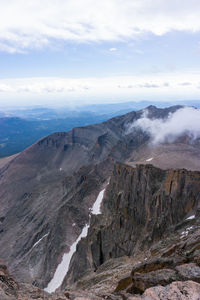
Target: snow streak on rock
{"x": 191, "y": 217}
{"x": 96, "y": 208}
{"x": 63, "y": 267}
{"x": 149, "y": 159}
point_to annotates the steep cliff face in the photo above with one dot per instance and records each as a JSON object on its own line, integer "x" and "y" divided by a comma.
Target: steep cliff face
{"x": 141, "y": 206}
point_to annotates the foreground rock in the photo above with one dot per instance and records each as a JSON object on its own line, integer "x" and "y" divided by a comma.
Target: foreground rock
{"x": 11, "y": 290}
{"x": 187, "y": 290}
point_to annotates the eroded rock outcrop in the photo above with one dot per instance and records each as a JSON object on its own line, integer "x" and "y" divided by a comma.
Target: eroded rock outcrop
{"x": 10, "y": 289}
{"x": 142, "y": 206}
{"x": 177, "y": 290}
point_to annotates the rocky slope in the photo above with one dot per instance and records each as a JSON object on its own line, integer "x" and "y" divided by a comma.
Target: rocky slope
{"x": 144, "y": 245}
{"x": 10, "y": 289}
{"x": 142, "y": 205}
{"x": 148, "y": 236}
{"x": 59, "y": 176}
{"x": 51, "y": 186}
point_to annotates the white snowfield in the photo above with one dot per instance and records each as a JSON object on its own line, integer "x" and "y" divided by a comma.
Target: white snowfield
{"x": 185, "y": 233}
{"x": 39, "y": 241}
{"x": 96, "y": 208}
{"x": 191, "y": 217}
{"x": 63, "y": 267}
{"x": 149, "y": 159}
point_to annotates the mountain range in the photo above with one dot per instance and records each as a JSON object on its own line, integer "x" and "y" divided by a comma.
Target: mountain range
{"x": 149, "y": 220}
{"x": 21, "y": 127}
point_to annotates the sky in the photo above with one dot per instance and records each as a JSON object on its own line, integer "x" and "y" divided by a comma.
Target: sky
{"x": 76, "y": 52}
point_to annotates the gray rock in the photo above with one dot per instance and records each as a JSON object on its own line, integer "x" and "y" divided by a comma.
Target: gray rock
{"x": 187, "y": 290}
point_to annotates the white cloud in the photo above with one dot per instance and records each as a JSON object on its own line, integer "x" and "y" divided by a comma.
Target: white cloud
{"x": 112, "y": 49}
{"x": 184, "y": 121}
{"x": 155, "y": 87}
{"x": 26, "y": 24}
{"x": 185, "y": 83}
{"x": 163, "y": 82}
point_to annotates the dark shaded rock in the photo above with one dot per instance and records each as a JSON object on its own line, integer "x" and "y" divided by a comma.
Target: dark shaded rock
{"x": 189, "y": 272}
{"x": 141, "y": 282}
{"x": 157, "y": 263}
{"x": 124, "y": 283}
{"x": 141, "y": 206}
{"x": 80, "y": 295}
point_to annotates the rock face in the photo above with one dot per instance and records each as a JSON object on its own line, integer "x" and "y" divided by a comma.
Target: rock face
{"x": 141, "y": 206}
{"x": 51, "y": 186}
{"x": 10, "y": 289}
{"x": 187, "y": 290}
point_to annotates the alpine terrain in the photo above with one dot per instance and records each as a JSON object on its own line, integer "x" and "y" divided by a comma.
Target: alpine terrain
{"x": 106, "y": 211}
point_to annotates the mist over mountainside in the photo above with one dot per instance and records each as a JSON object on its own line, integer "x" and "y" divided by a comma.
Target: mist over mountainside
{"x": 21, "y": 127}
{"x": 47, "y": 190}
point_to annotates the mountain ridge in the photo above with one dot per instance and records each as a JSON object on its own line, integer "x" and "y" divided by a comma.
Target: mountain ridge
{"x": 42, "y": 188}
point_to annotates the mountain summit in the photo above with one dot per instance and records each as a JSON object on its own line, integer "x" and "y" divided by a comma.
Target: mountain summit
{"x": 47, "y": 191}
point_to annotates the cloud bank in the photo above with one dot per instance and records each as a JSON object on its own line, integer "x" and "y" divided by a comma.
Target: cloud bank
{"x": 31, "y": 24}
{"x": 184, "y": 121}
{"x": 162, "y": 87}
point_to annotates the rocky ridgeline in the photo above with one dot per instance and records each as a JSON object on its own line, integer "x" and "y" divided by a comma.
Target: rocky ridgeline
{"x": 149, "y": 215}
{"x": 50, "y": 186}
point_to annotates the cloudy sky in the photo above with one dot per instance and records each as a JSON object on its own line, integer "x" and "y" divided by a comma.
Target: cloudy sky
{"x": 91, "y": 51}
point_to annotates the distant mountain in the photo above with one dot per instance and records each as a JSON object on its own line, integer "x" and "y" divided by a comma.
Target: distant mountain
{"x": 20, "y": 128}
{"x": 16, "y": 133}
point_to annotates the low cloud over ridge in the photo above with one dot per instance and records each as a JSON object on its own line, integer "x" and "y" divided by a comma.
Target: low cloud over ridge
{"x": 184, "y": 121}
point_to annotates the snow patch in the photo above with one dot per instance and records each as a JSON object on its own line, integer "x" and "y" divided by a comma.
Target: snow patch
{"x": 189, "y": 228}
{"x": 191, "y": 217}
{"x": 63, "y": 267}
{"x": 149, "y": 159}
{"x": 96, "y": 208}
{"x": 185, "y": 233}
{"x": 39, "y": 241}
